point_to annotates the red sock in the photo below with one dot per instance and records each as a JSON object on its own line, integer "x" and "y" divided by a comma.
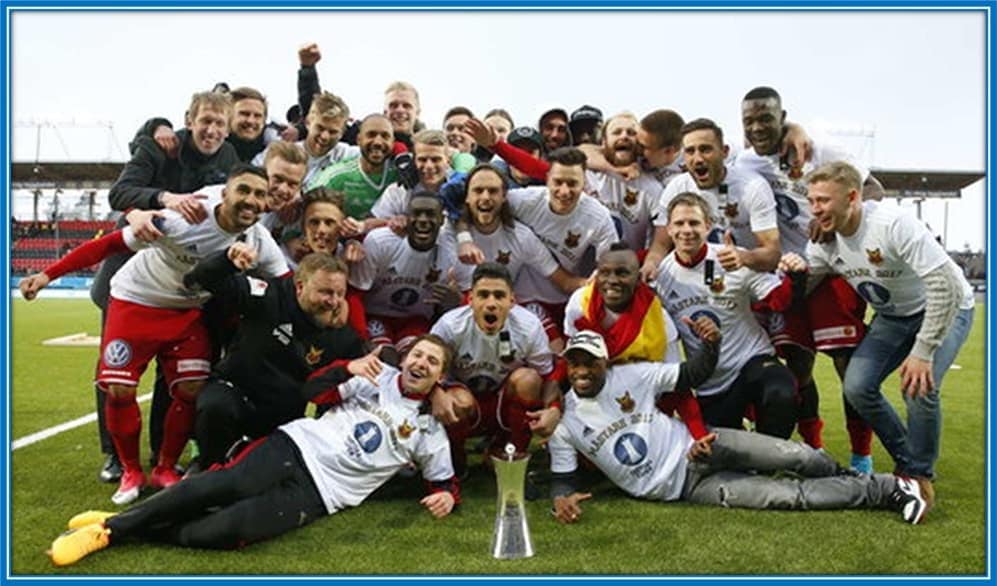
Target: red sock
{"x": 514, "y": 417}
{"x": 860, "y": 434}
{"x": 124, "y": 423}
{"x": 176, "y": 431}
{"x": 810, "y": 430}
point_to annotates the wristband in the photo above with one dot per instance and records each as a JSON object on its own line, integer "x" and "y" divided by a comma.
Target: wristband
{"x": 555, "y": 405}
{"x": 464, "y": 238}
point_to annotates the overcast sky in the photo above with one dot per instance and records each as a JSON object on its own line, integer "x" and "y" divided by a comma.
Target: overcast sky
{"x": 916, "y": 80}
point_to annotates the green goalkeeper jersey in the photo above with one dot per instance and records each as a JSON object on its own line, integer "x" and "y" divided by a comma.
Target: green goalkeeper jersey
{"x": 360, "y": 189}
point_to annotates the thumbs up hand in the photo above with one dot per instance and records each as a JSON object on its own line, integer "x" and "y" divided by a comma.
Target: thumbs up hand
{"x": 730, "y": 256}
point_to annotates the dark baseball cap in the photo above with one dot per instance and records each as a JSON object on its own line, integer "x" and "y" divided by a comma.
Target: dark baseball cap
{"x": 587, "y": 113}
{"x": 553, "y": 112}
{"x": 526, "y": 134}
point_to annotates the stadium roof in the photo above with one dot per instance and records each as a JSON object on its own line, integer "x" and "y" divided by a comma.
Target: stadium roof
{"x": 64, "y": 175}
{"x": 917, "y": 184}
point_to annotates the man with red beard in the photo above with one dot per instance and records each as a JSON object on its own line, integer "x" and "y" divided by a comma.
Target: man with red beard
{"x": 632, "y": 202}
{"x": 362, "y": 180}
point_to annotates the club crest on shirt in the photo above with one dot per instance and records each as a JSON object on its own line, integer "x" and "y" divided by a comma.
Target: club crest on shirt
{"x": 433, "y": 275}
{"x": 313, "y": 356}
{"x": 875, "y": 256}
{"x": 631, "y": 197}
{"x": 717, "y": 286}
{"x": 626, "y": 402}
{"x": 571, "y": 240}
{"x": 730, "y": 210}
{"x": 405, "y": 430}
{"x": 503, "y": 257}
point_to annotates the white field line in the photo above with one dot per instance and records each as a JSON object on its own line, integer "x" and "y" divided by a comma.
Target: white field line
{"x": 55, "y": 430}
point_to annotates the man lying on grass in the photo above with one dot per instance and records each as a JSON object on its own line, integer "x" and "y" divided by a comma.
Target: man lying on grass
{"x": 306, "y": 469}
{"x": 610, "y": 418}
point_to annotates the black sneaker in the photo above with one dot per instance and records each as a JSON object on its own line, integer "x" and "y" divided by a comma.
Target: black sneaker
{"x": 110, "y": 472}
{"x": 907, "y": 499}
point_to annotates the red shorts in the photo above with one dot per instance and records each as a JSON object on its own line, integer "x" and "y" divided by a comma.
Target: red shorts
{"x": 490, "y": 405}
{"x": 135, "y": 334}
{"x": 551, "y": 316}
{"x": 831, "y": 319}
{"x": 399, "y": 332}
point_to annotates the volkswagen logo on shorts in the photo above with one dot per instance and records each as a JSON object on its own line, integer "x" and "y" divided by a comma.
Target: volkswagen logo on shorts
{"x": 368, "y": 435}
{"x": 117, "y": 353}
{"x": 630, "y": 449}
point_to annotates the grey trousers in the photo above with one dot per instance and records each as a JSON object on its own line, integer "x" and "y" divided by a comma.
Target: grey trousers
{"x": 737, "y": 474}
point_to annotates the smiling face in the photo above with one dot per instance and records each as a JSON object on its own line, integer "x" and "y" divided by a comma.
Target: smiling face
{"x": 208, "y": 129}
{"x": 432, "y": 163}
{"x": 456, "y": 137}
{"x": 248, "y": 116}
{"x": 500, "y": 125}
{"x": 554, "y": 130}
{"x": 320, "y": 295}
{"x": 423, "y": 367}
{"x": 565, "y": 184}
{"x": 323, "y": 133}
{"x": 243, "y": 200}
{"x": 617, "y": 275}
{"x": 619, "y": 144}
{"x": 425, "y": 216}
{"x": 763, "y": 124}
{"x": 835, "y": 207}
{"x": 688, "y": 226}
{"x": 375, "y": 140}
{"x": 704, "y": 157}
{"x": 402, "y": 109}
{"x": 586, "y": 373}
{"x": 491, "y": 301}
{"x": 485, "y": 198}
{"x": 284, "y": 180}
{"x": 321, "y": 222}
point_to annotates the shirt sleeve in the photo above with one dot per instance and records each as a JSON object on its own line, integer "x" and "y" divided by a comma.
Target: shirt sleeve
{"x": 572, "y": 311}
{"x": 761, "y": 284}
{"x": 916, "y": 246}
{"x": 363, "y": 273}
{"x": 761, "y": 206}
{"x": 533, "y": 249}
{"x": 563, "y": 457}
{"x": 271, "y": 262}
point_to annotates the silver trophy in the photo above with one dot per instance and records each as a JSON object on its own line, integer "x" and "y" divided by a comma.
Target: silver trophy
{"x": 511, "y": 539}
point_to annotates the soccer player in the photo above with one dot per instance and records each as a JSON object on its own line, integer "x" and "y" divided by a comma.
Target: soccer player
{"x": 610, "y": 418}
{"x": 632, "y": 202}
{"x": 586, "y": 125}
{"x": 406, "y": 279}
{"x": 660, "y": 140}
{"x": 303, "y": 471}
{"x": 832, "y": 319}
{"x": 362, "y": 180}
{"x": 289, "y": 330}
{"x": 924, "y": 311}
{"x": 692, "y": 283}
{"x": 575, "y": 227}
{"x": 152, "y": 180}
{"x": 151, "y": 314}
{"x": 326, "y": 120}
{"x": 740, "y": 202}
{"x": 433, "y": 164}
{"x": 503, "y": 239}
{"x": 624, "y": 310}
{"x": 502, "y": 357}
{"x": 553, "y": 126}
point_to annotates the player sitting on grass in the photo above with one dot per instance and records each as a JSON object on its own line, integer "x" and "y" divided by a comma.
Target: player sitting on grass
{"x": 611, "y": 419}
{"x": 306, "y": 469}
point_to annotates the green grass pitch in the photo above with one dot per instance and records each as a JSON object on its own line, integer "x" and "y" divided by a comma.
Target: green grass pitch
{"x": 391, "y": 534}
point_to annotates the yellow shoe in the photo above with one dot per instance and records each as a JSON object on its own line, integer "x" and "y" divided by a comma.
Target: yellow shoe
{"x": 89, "y": 518}
{"x": 74, "y": 545}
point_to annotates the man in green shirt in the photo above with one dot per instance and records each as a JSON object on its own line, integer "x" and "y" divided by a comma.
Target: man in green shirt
{"x": 363, "y": 179}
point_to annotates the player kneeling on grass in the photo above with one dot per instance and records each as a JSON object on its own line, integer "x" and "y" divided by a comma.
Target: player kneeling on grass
{"x": 611, "y": 419}
{"x": 306, "y": 469}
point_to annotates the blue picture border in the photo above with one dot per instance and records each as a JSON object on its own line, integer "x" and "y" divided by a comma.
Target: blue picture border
{"x": 10, "y": 6}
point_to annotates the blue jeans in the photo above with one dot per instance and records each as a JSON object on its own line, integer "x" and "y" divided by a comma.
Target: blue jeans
{"x": 886, "y": 344}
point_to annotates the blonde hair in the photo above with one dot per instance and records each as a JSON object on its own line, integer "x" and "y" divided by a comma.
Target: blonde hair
{"x": 328, "y": 105}
{"x": 211, "y": 100}
{"x": 287, "y": 151}
{"x": 838, "y": 172}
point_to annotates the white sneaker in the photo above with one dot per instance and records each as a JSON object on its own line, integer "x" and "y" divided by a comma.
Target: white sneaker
{"x": 131, "y": 485}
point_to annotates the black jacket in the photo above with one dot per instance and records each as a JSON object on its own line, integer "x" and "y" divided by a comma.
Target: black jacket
{"x": 277, "y": 346}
